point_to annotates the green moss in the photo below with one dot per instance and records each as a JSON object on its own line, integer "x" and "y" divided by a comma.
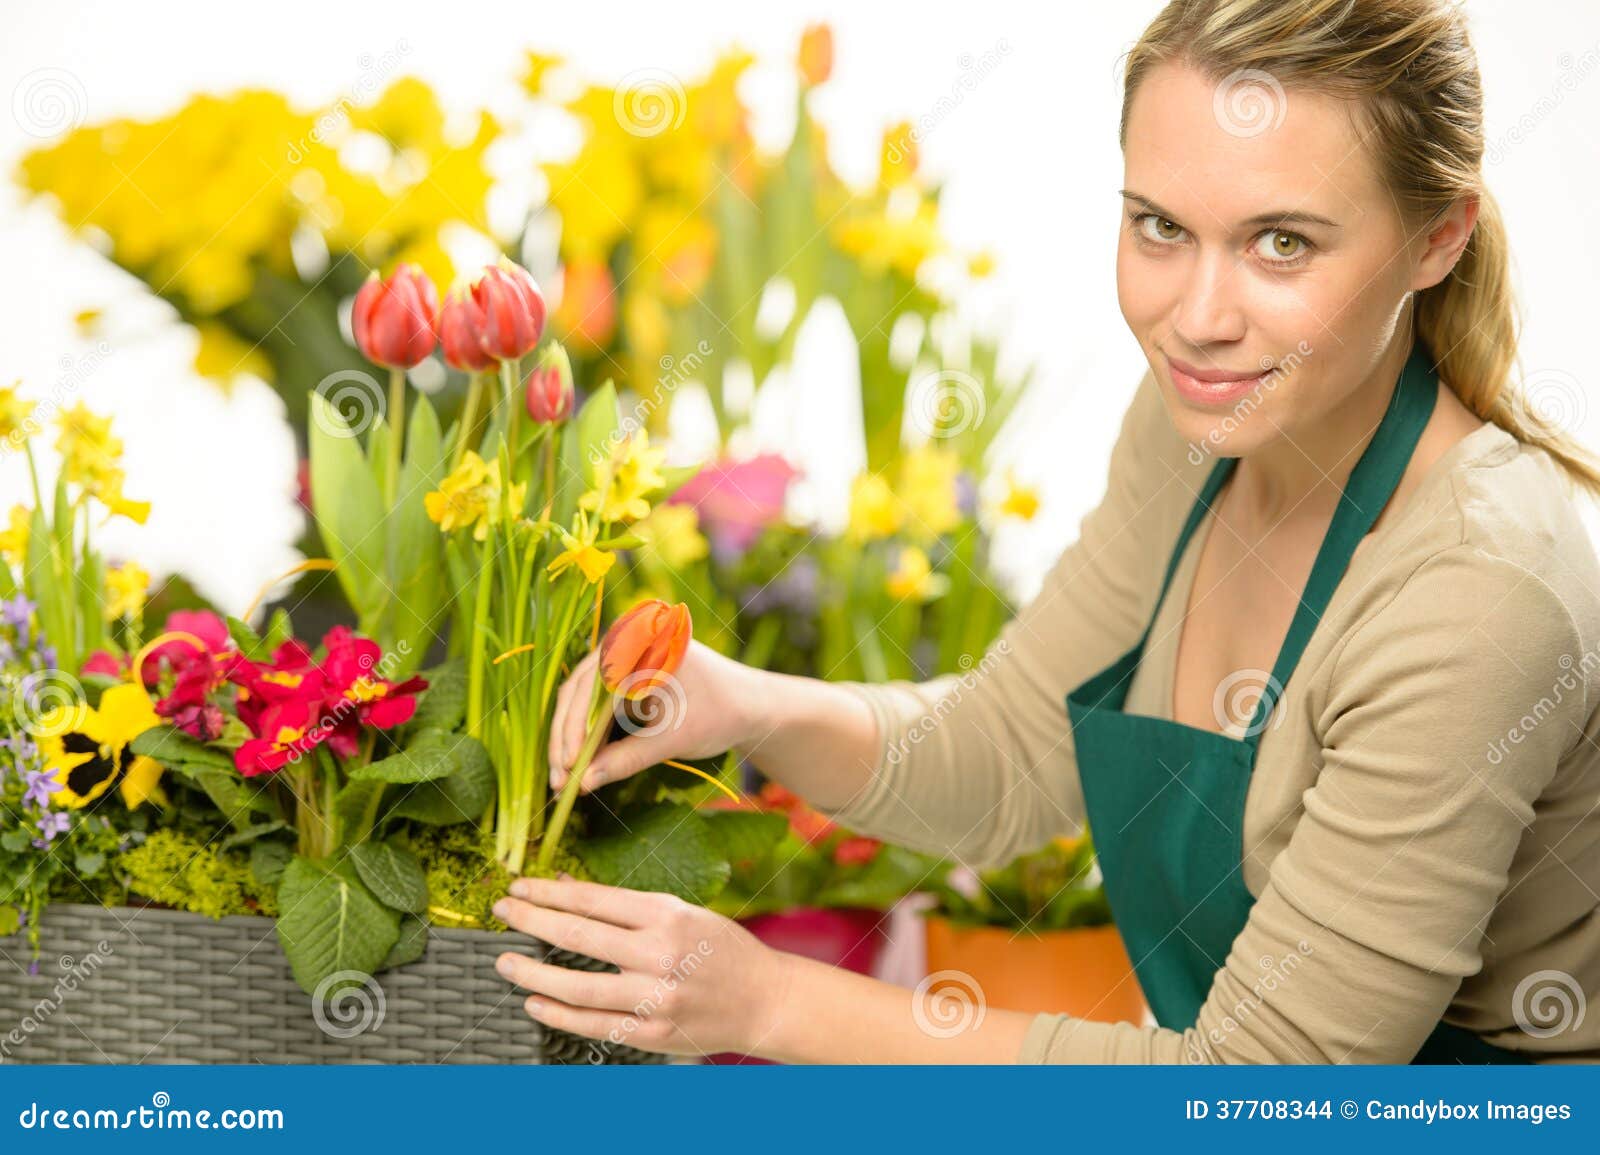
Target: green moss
{"x": 464, "y": 878}
{"x": 180, "y": 871}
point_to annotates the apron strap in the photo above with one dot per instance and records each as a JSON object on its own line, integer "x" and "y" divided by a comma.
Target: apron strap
{"x": 1371, "y": 484}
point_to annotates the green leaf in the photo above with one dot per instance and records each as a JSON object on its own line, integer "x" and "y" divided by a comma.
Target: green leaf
{"x": 665, "y": 848}
{"x": 414, "y": 549}
{"x": 347, "y": 504}
{"x": 179, "y": 751}
{"x": 279, "y": 629}
{"x": 745, "y": 836}
{"x": 248, "y": 641}
{"x": 251, "y": 833}
{"x": 233, "y": 796}
{"x": 443, "y": 704}
{"x": 432, "y": 755}
{"x": 462, "y": 797}
{"x": 412, "y": 943}
{"x": 351, "y": 807}
{"x": 596, "y": 427}
{"x": 392, "y": 874}
{"x": 10, "y": 920}
{"x": 268, "y": 858}
{"x": 330, "y": 923}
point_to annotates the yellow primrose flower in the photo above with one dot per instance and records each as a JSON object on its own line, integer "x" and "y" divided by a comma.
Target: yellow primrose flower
{"x": 672, "y": 533}
{"x": 471, "y": 496}
{"x": 126, "y": 586}
{"x": 913, "y": 578}
{"x": 928, "y": 488}
{"x": 1020, "y": 501}
{"x": 86, "y": 748}
{"x": 623, "y": 480}
{"x": 582, "y": 552}
{"x": 14, "y": 538}
{"x": 874, "y": 510}
{"x": 14, "y": 414}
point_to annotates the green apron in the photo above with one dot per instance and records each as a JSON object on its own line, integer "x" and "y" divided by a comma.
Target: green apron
{"x": 1166, "y": 801}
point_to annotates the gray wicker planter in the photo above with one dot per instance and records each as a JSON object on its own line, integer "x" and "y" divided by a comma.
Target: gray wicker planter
{"x": 128, "y": 985}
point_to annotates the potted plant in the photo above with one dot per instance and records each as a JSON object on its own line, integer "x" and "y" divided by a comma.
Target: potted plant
{"x": 1036, "y": 935}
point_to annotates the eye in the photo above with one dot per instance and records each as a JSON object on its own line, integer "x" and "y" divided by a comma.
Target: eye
{"x": 1155, "y": 228}
{"x": 1283, "y": 248}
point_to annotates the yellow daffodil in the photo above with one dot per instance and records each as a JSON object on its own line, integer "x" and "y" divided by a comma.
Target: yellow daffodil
{"x": 14, "y": 414}
{"x": 106, "y": 484}
{"x": 874, "y": 510}
{"x": 85, "y": 443}
{"x": 471, "y": 496}
{"x": 928, "y": 488}
{"x": 86, "y": 749}
{"x": 624, "y": 480}
{"x": 672, "y": 534}
{"x": 913, "y": 578}
{"x": 14, "y": 538}
{"x": 1020, "y": 501}
{"x": 126, "y": 586}
{"x": 582, "y": 552}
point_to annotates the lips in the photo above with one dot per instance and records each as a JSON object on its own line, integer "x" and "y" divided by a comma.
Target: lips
{"x": 1210, "y": 387}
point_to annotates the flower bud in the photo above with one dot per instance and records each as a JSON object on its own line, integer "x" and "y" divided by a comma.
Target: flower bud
{"x": 395, "y": 320}
{"x": 644, "y": 647}
{"x": 549, "y": 393}
{"x": 513, "y": 310}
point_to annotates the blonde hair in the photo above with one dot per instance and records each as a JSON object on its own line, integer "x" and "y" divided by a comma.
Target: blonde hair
{"x": 1411, "y": 69}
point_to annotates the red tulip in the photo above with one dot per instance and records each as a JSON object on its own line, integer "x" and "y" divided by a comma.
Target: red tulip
{"x": 550, "y": 397}
{"x": 396, "y": 320}
{"x": 513, "y": 311}
{"x": 461, "y": 333}
{"x": 644, "y": 647}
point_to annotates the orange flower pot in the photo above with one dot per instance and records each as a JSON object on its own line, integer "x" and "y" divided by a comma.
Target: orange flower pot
{"x": 1084, "y": 972}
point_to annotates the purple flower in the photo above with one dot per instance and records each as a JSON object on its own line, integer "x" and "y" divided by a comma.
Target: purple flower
{"x": 52, "y": 823}
{"x": 41, "y": 784}
{"x": 966, "y": 493}
{"x": 17, "y": 612}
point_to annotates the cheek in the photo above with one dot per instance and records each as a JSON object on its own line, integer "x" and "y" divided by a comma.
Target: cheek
{"x": 1142, "y": 287}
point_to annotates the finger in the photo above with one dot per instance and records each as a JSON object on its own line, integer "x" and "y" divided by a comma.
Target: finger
{"x": 603, "y": 1025}
{"x": 614, "y": 904}
{"x": 589, "y": 989}
{"x": 573, "y": 932}
{"x": 625, "y": 757}
{"x": 560, "y": 755}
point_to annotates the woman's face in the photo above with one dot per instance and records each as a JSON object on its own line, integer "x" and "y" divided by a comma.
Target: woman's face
{"x": 1258, "y": 237}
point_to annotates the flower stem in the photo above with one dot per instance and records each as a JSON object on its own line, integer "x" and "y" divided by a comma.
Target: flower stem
{"x": 397, "y": 424}
{"x": 569, "y": 789}
{"x": 469, "y": 419}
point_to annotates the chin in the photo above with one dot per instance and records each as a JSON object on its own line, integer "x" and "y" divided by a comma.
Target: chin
{"x": 1210, "y": 434}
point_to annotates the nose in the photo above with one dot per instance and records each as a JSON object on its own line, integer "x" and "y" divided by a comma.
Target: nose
{"x": 1209, "y": 311}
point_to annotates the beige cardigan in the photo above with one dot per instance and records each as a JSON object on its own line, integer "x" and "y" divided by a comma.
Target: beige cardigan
{"x": 1422, "y": 831}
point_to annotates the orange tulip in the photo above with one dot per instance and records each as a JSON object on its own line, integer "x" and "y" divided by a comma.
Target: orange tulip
{"x": 644, "y": 647}
{"x": 816, "y": 54}
{"x": 395, "y": 319}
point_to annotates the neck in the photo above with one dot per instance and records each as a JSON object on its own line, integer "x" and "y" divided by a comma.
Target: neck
{"x": 1305, "y": 471}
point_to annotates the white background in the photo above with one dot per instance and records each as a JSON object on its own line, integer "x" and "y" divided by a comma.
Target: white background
{"x": 1029, "y": 155}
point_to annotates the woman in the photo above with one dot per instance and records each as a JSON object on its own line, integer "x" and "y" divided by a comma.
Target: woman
{"x": 1324, "y": 492}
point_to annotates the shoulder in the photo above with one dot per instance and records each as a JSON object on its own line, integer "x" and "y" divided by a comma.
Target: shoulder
{"x": 1487, "y": 586}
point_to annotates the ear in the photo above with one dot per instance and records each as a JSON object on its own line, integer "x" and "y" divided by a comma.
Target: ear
{"x": 1446, "y": 240}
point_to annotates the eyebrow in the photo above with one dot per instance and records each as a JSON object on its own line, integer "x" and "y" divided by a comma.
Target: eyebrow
{"x": 1279, "y": 217}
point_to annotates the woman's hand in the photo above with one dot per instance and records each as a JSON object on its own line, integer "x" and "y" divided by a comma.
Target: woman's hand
{"x": 692, "y": 982}
{"x": 703, "y": 710}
